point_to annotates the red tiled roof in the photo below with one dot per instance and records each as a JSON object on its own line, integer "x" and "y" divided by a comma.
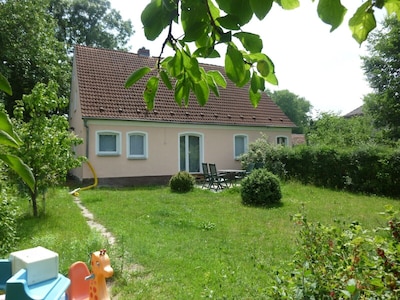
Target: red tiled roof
{"x": 102, "y": 74}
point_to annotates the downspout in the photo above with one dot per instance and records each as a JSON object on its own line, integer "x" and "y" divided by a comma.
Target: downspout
{"x": 87, "y": 138}
{"x": 76, "y": 191}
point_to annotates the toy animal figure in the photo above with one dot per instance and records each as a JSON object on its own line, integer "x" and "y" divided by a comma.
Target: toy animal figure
{"x": 101, "y": 269}
{"x": 92, "y": 286}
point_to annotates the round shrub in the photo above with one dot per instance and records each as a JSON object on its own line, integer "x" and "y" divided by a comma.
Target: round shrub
{"x": 182, "y": 182}
{"x": 261, "y": 188}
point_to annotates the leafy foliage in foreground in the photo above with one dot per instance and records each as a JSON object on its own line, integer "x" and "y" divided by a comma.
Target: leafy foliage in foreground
{"x": 208, "y": 24}
{"x": 336, "y": 262}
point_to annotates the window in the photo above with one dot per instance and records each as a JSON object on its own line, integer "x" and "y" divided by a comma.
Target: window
{"x": 108, "y": 143}
{"x": 137, "y": 145}
{"x": 282, "y": 140}
{"x": 190, "y": 152}
{"x": 240, "y": 145}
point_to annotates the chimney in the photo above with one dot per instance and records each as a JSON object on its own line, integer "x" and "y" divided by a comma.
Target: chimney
{"x": 144, "y": 52}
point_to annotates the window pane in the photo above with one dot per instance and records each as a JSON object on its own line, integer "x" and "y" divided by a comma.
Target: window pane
{"x": 239, "y": 145}
{"x": 107, "y": 143}
{"x": 194, "y": 154}
{"x": 182, "y": 165}
{"x": 136, "y": 145}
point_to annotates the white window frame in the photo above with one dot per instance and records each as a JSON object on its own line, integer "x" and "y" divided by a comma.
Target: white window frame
{"x": 117, "y": 135}
{"x": 246, "y": 145}
{"x": 145, "y": 145}
{"x": 282, "y": 137}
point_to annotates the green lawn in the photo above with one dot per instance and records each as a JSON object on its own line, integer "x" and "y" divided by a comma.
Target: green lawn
{"x": 196, "y": 245}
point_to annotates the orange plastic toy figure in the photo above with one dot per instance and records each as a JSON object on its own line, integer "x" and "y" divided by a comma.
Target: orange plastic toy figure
{"x": 92, "y": 286}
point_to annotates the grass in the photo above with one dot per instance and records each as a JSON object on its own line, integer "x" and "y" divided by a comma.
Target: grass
{"x": 196, "y": 245}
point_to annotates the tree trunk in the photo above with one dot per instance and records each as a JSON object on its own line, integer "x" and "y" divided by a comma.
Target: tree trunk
{"x": 34, "y": 202}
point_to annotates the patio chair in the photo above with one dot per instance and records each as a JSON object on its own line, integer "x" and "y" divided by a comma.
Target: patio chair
{"x": 206, "y": 176}
{"x": 218, "y": 180}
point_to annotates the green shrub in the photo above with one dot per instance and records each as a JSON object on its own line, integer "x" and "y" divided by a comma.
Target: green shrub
{"x": 261, "y": 188}
{"x": 343, "y": 262}
{"x": 182, "y": 182}
{"x": 8, "y": 223}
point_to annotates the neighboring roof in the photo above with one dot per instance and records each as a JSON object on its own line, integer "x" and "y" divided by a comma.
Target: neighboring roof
{"x": 102, "y": 74}
{"x": 354, "y": 113}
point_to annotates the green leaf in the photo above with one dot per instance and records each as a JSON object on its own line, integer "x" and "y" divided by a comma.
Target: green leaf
{"x": 289, "y": 4}
{"x": 261, "y": 8}
{"x": 5, "y": 85}
{"x": 155, "y": 17}
{"x": 20, "y": 168}
{"x": 254, "y": 97}
{"x": 239, "y": 8}
{"x": 362, "y": 22}
{"x": 212, "y": 85}
{"x": 192, "y": 68}
{"x": 257, "y": 83}
{"x": 7, "y": 140}
{"x": 234, "y": 65}
{"x": 263, "y": 68}
{"x": 202, "y": 92}
{"x": 206, "y": 52}
{"x": 175, "y": 65}
{"x": 393, "y": 6}
{"x": 137, "y": 75}
{"x": 252, "y": 42}
{"x": 150, "y": 92}
{"x": 331, "y": 12}
{"x": 165, "y": 78}
{"x": 218, "y": 78}
{"x": 182, "y": 91}
{"x": 229, "y": 22}
{"x": 6, "y": 130}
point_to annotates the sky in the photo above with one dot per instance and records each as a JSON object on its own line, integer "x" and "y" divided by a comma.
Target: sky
{"x": 321, "y": 66}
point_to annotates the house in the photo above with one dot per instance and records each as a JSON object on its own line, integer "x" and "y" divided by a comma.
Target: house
{"x": 128, "y": 145}
{"x": 355, "y": 113}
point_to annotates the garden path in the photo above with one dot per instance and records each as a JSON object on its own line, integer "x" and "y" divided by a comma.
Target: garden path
{"x": 93, "y": 224}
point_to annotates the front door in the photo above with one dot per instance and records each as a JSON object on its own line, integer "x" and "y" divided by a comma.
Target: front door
{"x": 189, "y": 153}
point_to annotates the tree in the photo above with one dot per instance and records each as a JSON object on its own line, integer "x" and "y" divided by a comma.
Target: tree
{"x": 382, "y": 69}
{"x": 30, "y": 53}
{"x": 90, "y": 23}
{"x": 48, "y": 143}
{"x": 333, "y": 130}
{"x": 297, "y": 108}
{"x": 206, "y": 24}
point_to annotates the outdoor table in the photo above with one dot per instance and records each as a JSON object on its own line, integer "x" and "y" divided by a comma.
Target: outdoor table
{"x": 231, "y": 173}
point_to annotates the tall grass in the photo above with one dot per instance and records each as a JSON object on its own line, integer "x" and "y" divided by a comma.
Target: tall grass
{"x": 191, "y": 246}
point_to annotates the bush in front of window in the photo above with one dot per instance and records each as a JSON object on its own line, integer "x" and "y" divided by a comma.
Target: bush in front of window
{"x": 261, "y": 188}
{"x": 182, "y": 182}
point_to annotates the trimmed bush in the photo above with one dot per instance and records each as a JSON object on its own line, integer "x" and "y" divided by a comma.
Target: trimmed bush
{"x": 261, "y": 188}
{"x": 182, "y": 182}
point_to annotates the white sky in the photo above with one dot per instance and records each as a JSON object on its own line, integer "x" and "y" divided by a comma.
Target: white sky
{"x": 310, "y": 61}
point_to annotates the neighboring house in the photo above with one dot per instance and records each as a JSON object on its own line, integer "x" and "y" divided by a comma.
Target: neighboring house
{"x": 128, "y": 145}
{"x": 355, "y": 113}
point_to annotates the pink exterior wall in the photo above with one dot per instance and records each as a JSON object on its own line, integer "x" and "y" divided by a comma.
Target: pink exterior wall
{"x": 163, "y": 147}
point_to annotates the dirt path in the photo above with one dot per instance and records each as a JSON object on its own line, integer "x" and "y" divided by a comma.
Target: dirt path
{"x": 94, "y": 225}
